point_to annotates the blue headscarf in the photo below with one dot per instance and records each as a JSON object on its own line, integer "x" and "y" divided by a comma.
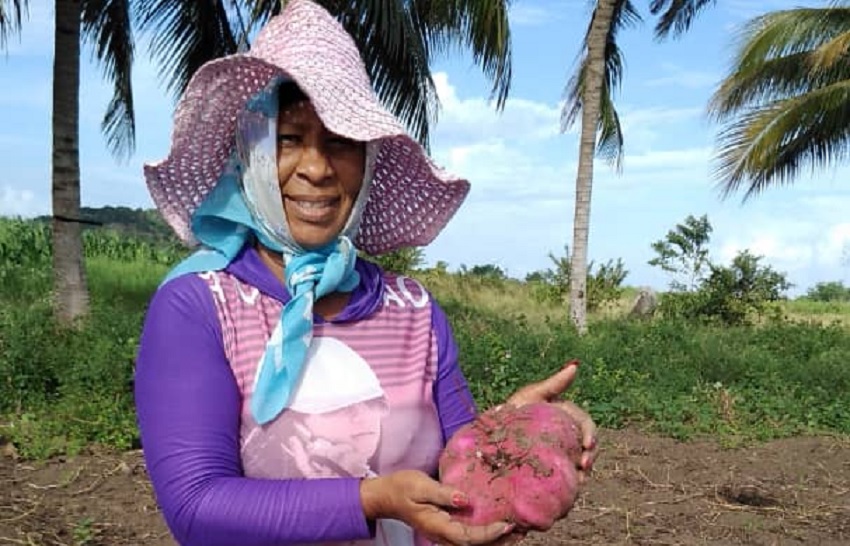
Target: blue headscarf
{"x": 246, "y": 202}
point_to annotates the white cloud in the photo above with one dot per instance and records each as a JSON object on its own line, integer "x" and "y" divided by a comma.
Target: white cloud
{"x": 465, "y": 120}
{"x": 832, "y": 247}
{"x": 528, "y": 15}
{"x": 533, "y": 13}
{"x": 806, "y": 238}
{"x": 520, "y": 153}
{"x": 15, "y": 202}
{"x": 677, "y": 76}
{"x": 634, "y": 118}
{"x": 781, "y": 251}
{"x": 693, "y": 159}
{"x": 747, "y": 9}
{"x": 502, "y": 170}
{"x": 649, "y": 127}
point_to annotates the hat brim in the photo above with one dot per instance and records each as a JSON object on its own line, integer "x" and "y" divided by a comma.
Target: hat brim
{"x": 411, "y": 199}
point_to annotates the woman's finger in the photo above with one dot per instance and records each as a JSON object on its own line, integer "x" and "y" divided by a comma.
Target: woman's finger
{"x": 472, "y": 535}
{"x": 546, "y": 390}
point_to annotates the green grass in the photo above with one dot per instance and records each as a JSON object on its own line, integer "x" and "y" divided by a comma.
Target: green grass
{"x": 61, "y": 391}
{"x": 823, "y": 312}
{"x": 672, "y": 377}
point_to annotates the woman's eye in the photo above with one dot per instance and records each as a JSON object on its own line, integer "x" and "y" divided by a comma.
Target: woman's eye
{"x": 342, "y": 143}
{"x": 288, "y": 139}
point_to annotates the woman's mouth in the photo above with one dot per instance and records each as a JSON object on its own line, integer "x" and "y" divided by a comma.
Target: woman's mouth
{"x": 313, "y": 210}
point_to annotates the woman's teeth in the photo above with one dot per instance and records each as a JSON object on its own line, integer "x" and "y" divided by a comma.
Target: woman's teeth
{"x": 312, "y": 210}
{"x": 314, "y": 204}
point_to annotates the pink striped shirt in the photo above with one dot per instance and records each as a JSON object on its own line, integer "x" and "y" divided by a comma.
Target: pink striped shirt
{"x": 347, "y": 429}
{"x": 382, "y": 391}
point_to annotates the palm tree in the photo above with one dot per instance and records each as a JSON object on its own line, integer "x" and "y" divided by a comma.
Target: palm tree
{"x": 398, "y": 39}
{"x": 589, "y": 93}
{"x": 10, "y": 19}
{"x": 785, "y": 102}
{"x": 106, "y": 24}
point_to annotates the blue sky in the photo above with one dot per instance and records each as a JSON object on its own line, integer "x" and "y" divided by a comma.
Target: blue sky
{"x": 521, "y": 167}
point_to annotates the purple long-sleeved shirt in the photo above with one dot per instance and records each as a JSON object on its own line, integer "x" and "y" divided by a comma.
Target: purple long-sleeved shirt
{"x": 189, "y": 407}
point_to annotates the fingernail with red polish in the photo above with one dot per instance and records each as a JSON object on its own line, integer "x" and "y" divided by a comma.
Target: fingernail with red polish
{"x": 571, "y": 363}
{"x": 459, "y": 500}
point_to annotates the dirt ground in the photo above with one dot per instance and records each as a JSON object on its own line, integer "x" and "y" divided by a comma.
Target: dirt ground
{"x": 645, "y": 490}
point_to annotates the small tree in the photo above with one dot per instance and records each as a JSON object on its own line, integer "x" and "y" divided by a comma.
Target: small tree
{"x": 403, "y": 261}
{"x": 604, "y": 282}
{"x": 488, "y": 271}
{"x": 829, "y": 291}
{"x": 730, "y": 294}
{"x": 684, "y": 253}
{"x": 743, "y": 288}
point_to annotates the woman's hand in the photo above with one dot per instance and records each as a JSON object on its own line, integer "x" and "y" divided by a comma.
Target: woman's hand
{"x": 550, "y": 390}
{"x": 424, "y": 504}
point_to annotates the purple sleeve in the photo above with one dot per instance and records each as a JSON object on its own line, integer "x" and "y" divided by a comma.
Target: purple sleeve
{"x": 188, "y": 406}
{"x": 454, "y": 401}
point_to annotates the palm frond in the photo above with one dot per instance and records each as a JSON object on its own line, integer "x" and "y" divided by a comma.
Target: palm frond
{"x": 775, "y": 79}
{"x": 610, "y": 140}
{"x": 829, "y": 54}
{"x": 481, "y": 26}
{"x": 396, "y": 38}
{"x": 395, "y": 56}
{"x": 243, "y": 28}
{"x": 262, "y": 10}
{"x": 610, "y": 145}
{"x": 786, "y": 32}
{"x": 783, "y": 54}
{"x": 676, "y": 16}
{"x": 11, "y": 16}
{"x": 185, "y": 35}
{"x": 106, "y": 25}
{"x": 392, "y": 44}
{"x": 259, "y": 12}
{"x": 771, "y": 145}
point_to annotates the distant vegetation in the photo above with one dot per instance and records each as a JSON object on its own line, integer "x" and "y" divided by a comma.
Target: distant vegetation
{"x": 143, "y": 223}
{"x": 782, "y": 371}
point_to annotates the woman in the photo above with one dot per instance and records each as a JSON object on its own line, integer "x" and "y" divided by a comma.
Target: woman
{"x": 288, "y": 392}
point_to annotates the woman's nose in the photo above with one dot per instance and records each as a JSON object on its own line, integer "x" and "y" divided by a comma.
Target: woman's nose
{"x": 315, "y": 165}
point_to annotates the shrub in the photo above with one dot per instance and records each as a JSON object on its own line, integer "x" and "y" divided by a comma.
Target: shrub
{"x": 604, "y": 282}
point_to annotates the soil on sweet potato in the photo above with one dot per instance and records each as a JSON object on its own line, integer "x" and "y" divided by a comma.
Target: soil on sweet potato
{"x": 645, "y": 490}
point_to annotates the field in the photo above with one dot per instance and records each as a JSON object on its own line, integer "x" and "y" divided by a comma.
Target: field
{"x": 711, "y": 434}
{"x": 647, "y": 489}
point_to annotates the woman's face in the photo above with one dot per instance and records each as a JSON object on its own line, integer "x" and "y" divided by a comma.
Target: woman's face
{"x": 320, "y": 175}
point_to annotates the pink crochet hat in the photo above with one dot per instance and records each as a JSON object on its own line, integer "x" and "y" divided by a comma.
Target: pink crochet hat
{"x": 411, "y": 199}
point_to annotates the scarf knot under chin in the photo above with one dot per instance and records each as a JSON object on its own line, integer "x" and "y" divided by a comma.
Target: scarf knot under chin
{"x": 308, "y": 277}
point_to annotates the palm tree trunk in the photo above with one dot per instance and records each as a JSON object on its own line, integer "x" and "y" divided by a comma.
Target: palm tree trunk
{"x": 69, "y": 279}
{"x": 591, "y": 100}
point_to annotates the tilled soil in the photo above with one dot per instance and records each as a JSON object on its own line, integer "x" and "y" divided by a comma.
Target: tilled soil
{"x": 645, "y": 490}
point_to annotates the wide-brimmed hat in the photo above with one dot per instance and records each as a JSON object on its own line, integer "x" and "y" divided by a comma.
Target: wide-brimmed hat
{"x": 411, "y": 199}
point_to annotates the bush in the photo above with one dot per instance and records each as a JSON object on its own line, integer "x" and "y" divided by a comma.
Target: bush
{"x": 403, "y": 261}
{"x": 829, "y": 292}
{"x": 604, "y": 282}
{"x": 732, "y": 295}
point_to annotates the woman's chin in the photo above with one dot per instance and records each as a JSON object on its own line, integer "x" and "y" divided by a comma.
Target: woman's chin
{"x": 313, "y": 237}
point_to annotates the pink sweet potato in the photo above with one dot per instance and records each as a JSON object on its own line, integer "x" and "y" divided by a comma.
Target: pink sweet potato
{"x": 515, "y": 464}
